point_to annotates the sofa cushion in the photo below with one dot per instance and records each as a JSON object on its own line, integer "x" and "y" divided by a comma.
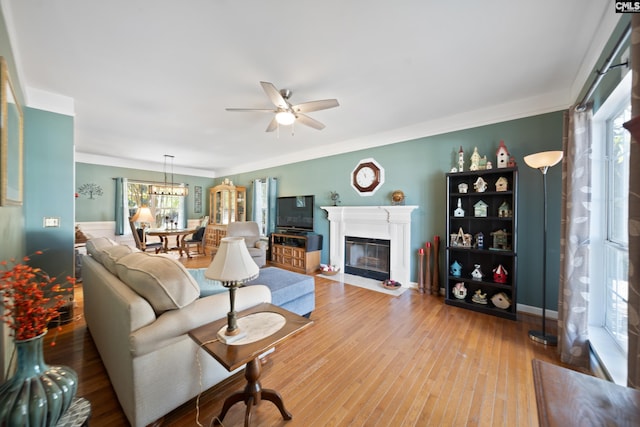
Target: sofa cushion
{"x": 161, "y": 280}
{"x": 97, "y": 245}
{"x": 110, "y": 255}
{"x": 207, "y": 286}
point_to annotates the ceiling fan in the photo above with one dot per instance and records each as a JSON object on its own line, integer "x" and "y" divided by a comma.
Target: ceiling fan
{"x": 285, "y": 112}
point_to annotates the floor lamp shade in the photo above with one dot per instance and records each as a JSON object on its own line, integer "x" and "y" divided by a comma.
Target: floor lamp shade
{"x": 543, "y": 161}
{"x": 232, "y": 266}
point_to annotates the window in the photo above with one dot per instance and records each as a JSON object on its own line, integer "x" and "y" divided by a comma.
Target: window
{"x": 609, "y": 256}
{"x": 616, "y": 244}
{"x": 166, "y": 209}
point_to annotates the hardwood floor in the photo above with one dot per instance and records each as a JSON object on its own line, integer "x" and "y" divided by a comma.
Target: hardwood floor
{"x": 370, "y": 359}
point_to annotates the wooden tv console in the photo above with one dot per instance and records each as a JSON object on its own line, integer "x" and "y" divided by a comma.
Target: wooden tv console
{"x": 296, "y": 252}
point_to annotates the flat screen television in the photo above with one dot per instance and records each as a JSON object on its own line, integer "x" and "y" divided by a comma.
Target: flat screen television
{"x": 295, "y": 213}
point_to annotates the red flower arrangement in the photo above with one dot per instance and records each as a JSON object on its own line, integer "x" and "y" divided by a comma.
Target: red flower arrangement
{"x": 27, "y": 311}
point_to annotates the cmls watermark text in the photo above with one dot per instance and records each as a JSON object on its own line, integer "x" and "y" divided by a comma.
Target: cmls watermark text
{"x": 627, "y": 6}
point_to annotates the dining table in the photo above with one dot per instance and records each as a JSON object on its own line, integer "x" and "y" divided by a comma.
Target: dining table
{"x": 166, "y": 233}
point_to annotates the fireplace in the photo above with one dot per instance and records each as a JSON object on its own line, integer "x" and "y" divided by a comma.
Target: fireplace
{"x": 366, "y": 257}
{"x": 390, "y": 223}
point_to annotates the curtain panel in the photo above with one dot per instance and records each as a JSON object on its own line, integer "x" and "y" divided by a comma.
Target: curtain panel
{"x": 573, "y": 344}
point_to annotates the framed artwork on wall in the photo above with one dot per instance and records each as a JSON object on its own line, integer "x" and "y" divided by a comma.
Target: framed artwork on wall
{"x": 11, "y": 179}
{"x": 197, "y": 199}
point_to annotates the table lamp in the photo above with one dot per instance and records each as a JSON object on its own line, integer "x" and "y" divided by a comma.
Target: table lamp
{"x": 143, "y": 216}
{"x": 543, "y": 161}
{"x": 232, "y": 266}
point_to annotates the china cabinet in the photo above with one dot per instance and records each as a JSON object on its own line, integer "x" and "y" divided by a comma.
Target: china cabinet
{"x": 227, "y": 203}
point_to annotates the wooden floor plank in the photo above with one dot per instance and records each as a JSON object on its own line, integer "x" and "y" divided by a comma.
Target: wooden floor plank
{"x": 369, "y": 359}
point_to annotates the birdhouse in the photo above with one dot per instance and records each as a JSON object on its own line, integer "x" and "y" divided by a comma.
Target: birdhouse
{"x": 501, "y": 240}
{"x": 502, "y": 156}
{"x": 480, "y": 185}
{"x": 459, "y": 290}
{"x": 476, "y": 274}
{"x": 479, "y": 241}
{"x": 500, "y": 274}
{"x": 463, "y": 187}
{"x": 480, "y": 209}
{"x": 461, "y": 160}
{"x": 504, "y": 210}
{"x": 475, "y": 160}
{"x": 501, "y": 300}
{"x": 459, "y": 212}
{"x": 456, "y": 269}
{"x": 502, "y": 184}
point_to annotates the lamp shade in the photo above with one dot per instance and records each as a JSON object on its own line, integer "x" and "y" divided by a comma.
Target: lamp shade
{"x": 543, "y": 159}
{"x": 232, "y": 263}
{"x": 285, "y": 117}
{"x": 143, "y": 214}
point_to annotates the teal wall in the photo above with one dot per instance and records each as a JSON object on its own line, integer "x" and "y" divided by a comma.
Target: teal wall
{"x": 48, "y": 185}
{"x": 418, "y": 168}
{"x": 102, "y": 208}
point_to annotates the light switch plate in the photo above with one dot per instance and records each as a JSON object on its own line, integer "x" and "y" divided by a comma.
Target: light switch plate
{"x": 51, "y": 221}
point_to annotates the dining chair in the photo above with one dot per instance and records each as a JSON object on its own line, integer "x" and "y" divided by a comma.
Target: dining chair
{"x": 141, "y": 241}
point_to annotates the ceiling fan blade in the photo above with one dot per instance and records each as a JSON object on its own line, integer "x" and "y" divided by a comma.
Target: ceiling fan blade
{"x": 306, "y": 120}
{"x": 273, "y": 125}
{"x": 274, "y": 95}
{"x": 307, "y": 107}
{"x": 259, "y": 110}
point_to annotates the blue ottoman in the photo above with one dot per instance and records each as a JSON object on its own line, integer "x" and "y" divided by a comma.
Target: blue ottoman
{"x": 292, "y": 291}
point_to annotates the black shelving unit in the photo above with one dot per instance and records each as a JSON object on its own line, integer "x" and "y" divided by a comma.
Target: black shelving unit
{"x": 466, "y": 251}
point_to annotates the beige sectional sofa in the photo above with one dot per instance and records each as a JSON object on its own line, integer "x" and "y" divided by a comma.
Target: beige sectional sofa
{"x": 139, "y": 308}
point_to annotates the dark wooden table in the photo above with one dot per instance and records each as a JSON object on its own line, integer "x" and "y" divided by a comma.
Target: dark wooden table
{"x": 234, "y": 356}
{"x": 568, "y": 398}
{"x": 180, "y": 233}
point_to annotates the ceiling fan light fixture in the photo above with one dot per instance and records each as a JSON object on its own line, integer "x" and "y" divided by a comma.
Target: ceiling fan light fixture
{"x": 285, "y": 118}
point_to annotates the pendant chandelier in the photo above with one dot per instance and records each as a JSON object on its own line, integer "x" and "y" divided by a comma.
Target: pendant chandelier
{"x": 169, "y": 188}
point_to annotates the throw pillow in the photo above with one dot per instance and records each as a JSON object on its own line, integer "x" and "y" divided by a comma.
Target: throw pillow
{"x": 162, "y": 281}
{"x": 96, "y": 245}
{"x": 112, "y": 254}
{"x": 207, "y": 286}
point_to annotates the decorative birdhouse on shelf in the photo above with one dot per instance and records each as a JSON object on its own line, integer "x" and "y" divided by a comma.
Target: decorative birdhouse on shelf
{"x": 501, "y": 300}
{"x": 479, "y": 297}
{"x": 459, "y": 212}
{"x": 502, "y": 184}
{"x": 501, "y": 240}
{"x": 502, "y": 156}
{"x": 475, "y": 160}
{"x": 463, "y": 187}
{"x": 461, "y": 160}
{"x": 504, "y": 210}
{"x": 479, "y": 241}
{"x": 456, "y": 269}
{"x": 459, "y": 291}
{"x": 461, "y": 239}
{"x": 480, "y": 209}
{"x": 476, "y": 274}
{"x": 480, "y": 185}
{"x": 500, "y": 274}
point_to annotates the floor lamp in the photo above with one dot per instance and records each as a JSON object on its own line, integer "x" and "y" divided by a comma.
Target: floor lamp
{"x": 543, "y": 161}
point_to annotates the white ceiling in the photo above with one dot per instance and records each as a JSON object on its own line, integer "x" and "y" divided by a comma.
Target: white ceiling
{"x": 152, "y": 77}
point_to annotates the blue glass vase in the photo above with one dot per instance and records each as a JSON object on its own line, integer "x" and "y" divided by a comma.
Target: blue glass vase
{"x": 37, "y": 395}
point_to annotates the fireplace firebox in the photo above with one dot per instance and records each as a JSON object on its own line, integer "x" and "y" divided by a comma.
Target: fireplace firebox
{"x": 367, "y": 257}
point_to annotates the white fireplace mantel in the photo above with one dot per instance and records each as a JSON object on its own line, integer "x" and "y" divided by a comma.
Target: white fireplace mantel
{"x": 391, "y": 223}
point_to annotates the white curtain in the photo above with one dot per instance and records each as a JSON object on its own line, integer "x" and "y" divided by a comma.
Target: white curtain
{"x": 573, "y": 344}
